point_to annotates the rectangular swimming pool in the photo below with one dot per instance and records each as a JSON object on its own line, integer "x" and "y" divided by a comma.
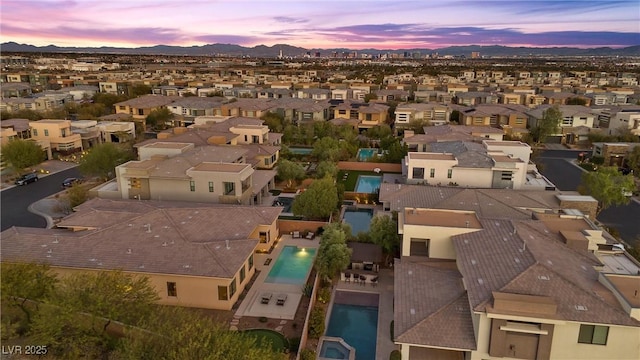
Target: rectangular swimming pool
{"x": 301, "y": 151}
{"x": 357, "y": 325}
{"x": 292, "y": 266}
{"x": 368, "y": 184}
{"x": 358, "y": 219}
{"x": 366, "y": 154}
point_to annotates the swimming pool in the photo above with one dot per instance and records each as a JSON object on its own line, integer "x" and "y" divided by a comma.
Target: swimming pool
{"x": 292, "y": 266}
{"x": 359, "y": 219}
{"x": 366, "y": 154}
{"x": 368, "y": 184}
{"x": 335, "y": 348}
{"x": 301, "y": 151}
{"x": 357, "y": 325}
{"x": 285, "y": 202}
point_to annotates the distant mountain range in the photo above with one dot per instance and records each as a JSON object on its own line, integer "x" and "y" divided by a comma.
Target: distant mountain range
{"x": 288, "y": 50}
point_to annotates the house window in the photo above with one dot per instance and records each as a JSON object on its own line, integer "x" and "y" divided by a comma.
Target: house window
{"x": 593, "y": 334}
{"x": 246, "y": 138}
{"x": 342, "y": 112}
{"x": 140, "y": 111}
{"x": 171, "y": 289}
{"x": 418, "y": 173}
{"x": 210, "y": 186}
{"x": 46, "y": 132}
{"x": 432, "y": 173}
{"x": 35, "y": 132}
{"x": 251, "y": 262}
{"x": 506, "y": 176}
{"x": 232, "y": 287}
{"x": 255, "y": 139}
{"x": 229, "y": 188}
{"x": 243, "y": 274}
{"x": 122, "y": 107}
{"x": 222, "y": 293}
{"x": 449, "y": 173}
{"x": 192, "y": 185}
{"x": 367, "y": 117}
{"x": 264, "y": 237}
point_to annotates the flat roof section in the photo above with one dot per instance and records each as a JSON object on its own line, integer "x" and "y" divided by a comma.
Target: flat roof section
{"x": 627, "y": 286}
{"x": 431, "y": 156}
{"x": 220, "y": 167}
{"x": 167, "y": 145}
{"x": 445, "y": 218}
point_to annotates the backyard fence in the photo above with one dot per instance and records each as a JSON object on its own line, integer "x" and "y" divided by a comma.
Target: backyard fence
{"x": 369, "y": 166}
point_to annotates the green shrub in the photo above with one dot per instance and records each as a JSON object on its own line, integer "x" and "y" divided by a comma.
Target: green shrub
{"x": 316, "y": 322}
{"x": 307, "y": 354}
{"x": 395, "y": 355}
{"x": 263, "y": 319}
{"x": 307, "y": 289}
{"x": 324, "y": 295}
{"x": 598, "y": 160}
{"x": 294, "y": 344}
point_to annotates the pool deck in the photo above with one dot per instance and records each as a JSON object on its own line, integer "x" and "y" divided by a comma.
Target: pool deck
{"x": 384, "y": 344}
{"x": 252, "y": 304}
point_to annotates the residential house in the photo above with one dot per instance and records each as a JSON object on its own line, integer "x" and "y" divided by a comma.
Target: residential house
{"x": 139, "y": 108}
{"x": 432, "y": 134}
{"x": 368, "y": 114}
{"x": 114, "y": 87}
{"x": 58, "y": 133}
{"x": 387, "y": 95}
{"x": 184, "y": 249}
{"x": 432, "y": 113}
{"x": 548, "y": 292}
{"x": 188, "y": 108}
{"x": 301, "y": 111}
{"x": 469, "y": 164}
{"x": 614, "y": 154}
{"x": 312, "y": 93}
{"x": 576, "y": 122}
{"x": 15, "y": 89}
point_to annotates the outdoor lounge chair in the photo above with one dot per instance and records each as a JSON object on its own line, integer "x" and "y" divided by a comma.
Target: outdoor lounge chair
{"x": 296, "y": 234}
{"x": 280, "y": 300}
{"x": 356, "y": 278}
{"x": 310, "y": 236}
{"x": 266, "y": 297}
{"x": 363, "y": 279}
{"x": 347, "y": 277}
{"x": 374, "y": 281}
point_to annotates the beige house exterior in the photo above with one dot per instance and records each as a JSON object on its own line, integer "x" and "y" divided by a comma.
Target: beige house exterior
{"x": 195, "y": 255}
{"x": 494, "y": 164}
{"x": 58, "y": 133}
{"x": 538, "y": 286}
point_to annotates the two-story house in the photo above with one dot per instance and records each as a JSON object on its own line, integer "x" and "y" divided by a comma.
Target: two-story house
{"x": 432, "y": 113}
{"x": 58, "y": 133}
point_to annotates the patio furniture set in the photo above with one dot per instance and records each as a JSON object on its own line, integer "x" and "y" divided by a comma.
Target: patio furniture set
{"x": 280, "y": 298}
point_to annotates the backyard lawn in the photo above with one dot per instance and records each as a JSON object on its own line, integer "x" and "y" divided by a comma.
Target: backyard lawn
{"x": 277, "y": 340}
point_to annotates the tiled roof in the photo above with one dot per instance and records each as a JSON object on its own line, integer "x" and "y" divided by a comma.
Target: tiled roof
{"x": 524, "y": 257}
{"x": 148, "y": 101}
{"x": 154, "y": 237}
{"x": 487, "y": 203}
{"x": 431, "y": 307}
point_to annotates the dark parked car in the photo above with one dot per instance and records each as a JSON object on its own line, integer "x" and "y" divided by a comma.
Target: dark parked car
{"x": 68, "y": 182}
{"x": 27, "y": 178}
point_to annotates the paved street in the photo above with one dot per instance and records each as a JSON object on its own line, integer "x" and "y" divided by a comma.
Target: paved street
{"x": 566, "y": 176}
{"x": 15, "y": 201}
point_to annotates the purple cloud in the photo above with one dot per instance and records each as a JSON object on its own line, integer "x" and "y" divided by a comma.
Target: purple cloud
{"x": 290, "y": 20}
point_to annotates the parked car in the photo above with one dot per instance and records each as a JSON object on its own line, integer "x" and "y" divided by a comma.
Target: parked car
{"x": 26, "y": 179}
{"x": 68, "y": 182}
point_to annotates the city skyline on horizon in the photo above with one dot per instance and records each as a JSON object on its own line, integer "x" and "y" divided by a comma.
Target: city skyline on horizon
{"x": 356, "y": 25}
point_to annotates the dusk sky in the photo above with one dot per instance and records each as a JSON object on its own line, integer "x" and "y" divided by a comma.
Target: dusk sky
{"x": 351, "y": 24}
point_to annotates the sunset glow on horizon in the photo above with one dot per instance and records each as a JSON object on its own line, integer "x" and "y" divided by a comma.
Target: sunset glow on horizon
{"x": 350, "y": 24}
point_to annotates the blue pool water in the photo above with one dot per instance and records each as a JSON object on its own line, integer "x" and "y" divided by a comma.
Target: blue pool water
{"x": 301, "y": 151}
{"x": 366, "y": 154}
{"x": 285, "y": 202}
{"x": 368, "y": 184}
{"x": 292, "y": 266}
{"x": 334, "y": 350}
{"x": 358, "y": 219}
{"x": 358, "y": 326}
